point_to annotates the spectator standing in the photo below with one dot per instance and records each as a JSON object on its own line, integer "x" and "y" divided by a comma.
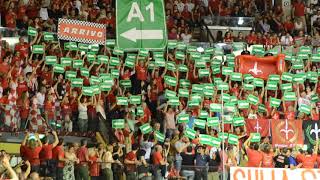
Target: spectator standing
{"x": 47, "y": 165}
{"x": 71, "y": 158}
{"x": 202, "y": 159}
{"x": 82, "y": 166}
{"x": 131, "y": 162}
{"x": 158, "y": 162}
{"x": 254, "y": 155}
{"x": 298, "y": 10}
{"x": 58, "y": 156}
{"x": 30, "y": 149}
{"x": 309, "y": 160}
{"x": 214, "y": 164}
{"x": 83, "y": 113}
{"x": 188, "y": 159}
{"x": 94, "y": 167}
{"x": 281, "y": 160}
{"x": 107, "y": 161}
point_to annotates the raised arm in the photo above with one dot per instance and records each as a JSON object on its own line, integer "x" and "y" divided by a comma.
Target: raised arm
{"x": 56, "y": 139}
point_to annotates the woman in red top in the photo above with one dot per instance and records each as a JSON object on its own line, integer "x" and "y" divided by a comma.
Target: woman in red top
{"x": 24, "y": 107}
{"x": 228, "y": 38}
{"x": 94, "y": 167}
{"x": 31, "y": 147}
{"x": 49, "y": 111}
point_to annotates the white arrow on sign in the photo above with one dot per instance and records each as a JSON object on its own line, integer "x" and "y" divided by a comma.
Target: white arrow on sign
{"x": 134, "y": 34}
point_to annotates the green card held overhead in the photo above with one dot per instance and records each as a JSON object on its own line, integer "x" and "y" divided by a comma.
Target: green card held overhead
{"x": 83, "y": 47}
{"x": 103, "y": 59}
{"x": 203, "y": 114}
{"x": 105, "y": 86}
{"x": 140, "y": 111}
{"x": 214, "y": 107}
{"x": 71, "y": 74}
{"x": 238, "y": 121}
{"x": 143, "y": 52}
{"x": 48, "y": 36}
{"x": 168, "y": 93}
{"x": 290, "y": 96}
{"x": 257, "y": 82}
{"x": 183, "y": 118}
{"x": 199, "y": 123}
{"x": 76, "y": 82}
{"x": 183, "y": 93}
{"x": 287, "y": 77}
{"x": 135, "y": 99}
{"x": 125, "y": 83}
{"x": 180, "y": 55}
{"x": 272, "y": 85}
{"x": 171, "y": 66}
{"x": 114, "y": 61}
{"x": 223, "y": 86}
{"x": 38, "y": 49}
{"x": 255, "y": 137}
{"x": 243, "y": 104}
{"x": 205, "y": 139}
{"x": 262, "y": 108}
{"x": 32, "y": 31}
{"x": 122, "y": 101}
{"x": 227, "y": 70}
{"x": 84, "y": 72}
{"x": 184, "y": 83}
{"x": 236, "y": 76}
{"x": 248, "y": 78}
{"x": 94, "y": 80}
{"x": 197, "y": 88}
{"x": 172, "y": 44}
{"x": 305, "y": 109}
{"x": 274, "y": 102}
{"x": 213, "y": 121}
{"x": 110, "y": 42}
{"x": 159, "y": 136}
{"x": 146, "y": 128}
{"x": 182, "y": 68}
{"x": 58, "y": 68}
{"x": 286, "y": 87}
{"x": 87, "y": 91}
{"x": 223, "y": 135}
{"x": 171, "y": 81}
{"x": 248, "y": 87}
{"x": 66, "y": 61}
{"x": 174, "y": 101}
{"x": 50, "y": 60}
{"x": 233, "y": 139}
{"x": 77, "y": 63}
{"x": 190, "y": 133}
{"x": 314, "y": 98}
{"x": 203, "y": 73}
{"x": 253, "y": 99}
{"x": 118, "y": 123}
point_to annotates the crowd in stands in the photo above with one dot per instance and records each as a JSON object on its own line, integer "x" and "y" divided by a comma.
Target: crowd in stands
{"x": 151, "y": 143}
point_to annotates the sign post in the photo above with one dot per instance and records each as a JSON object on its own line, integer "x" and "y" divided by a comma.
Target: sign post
{"x": 141, "y": 24}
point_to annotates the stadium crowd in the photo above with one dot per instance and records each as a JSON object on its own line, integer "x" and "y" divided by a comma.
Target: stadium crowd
{"x": 152, "y": 142}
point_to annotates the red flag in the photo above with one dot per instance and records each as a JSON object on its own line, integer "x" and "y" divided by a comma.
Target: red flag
{"x": 260, "y": 125}
{"x": 261, "y": 67}
{"x": 286, "y": 133}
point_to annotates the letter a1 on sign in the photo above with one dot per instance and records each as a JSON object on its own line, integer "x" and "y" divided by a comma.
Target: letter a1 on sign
{"x": 141, "y": 24}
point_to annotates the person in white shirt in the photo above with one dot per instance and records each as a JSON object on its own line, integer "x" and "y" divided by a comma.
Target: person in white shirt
{"x": 186, "y": 37}
{"x": 190, "y": 5}
{"x": 286, "y": 40}
{"x": 180, "y": 6}
{"x": 41, "y": 96}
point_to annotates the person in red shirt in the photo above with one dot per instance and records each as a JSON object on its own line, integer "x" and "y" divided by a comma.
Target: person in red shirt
{"x": 267, "y": 156}
{"x": 58, "y": 156}
{"x": 94, "y": 167}
{"x": 131, "y": 161}
{"x": 10, "y": 18}
{"x": 82, "y": 166}
{"x": 158, "y": 160}
{"x": 309, "y": 160}
{"x": 31, "y": 147}
{"x": 251, "y": 38}
{"x": 254, "y": 155}
{"x": 47, "y": 165}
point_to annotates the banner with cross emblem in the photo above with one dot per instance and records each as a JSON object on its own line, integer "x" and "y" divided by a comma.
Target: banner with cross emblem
{"x": 311, "y": 131}
{"x": 260, "y": 125}
{"x": 286, "y": 133}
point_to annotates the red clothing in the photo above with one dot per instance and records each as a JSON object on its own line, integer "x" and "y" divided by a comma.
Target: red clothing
{"x": 81, "y": 154}
{"x": 21, "y": 12}
{"x": 289, "y": 26}
{"x": 57, "y": 153}
{"x": 23, "y": 49}
{"x": 25, "y": 108}
{"x": 4, "y": 68}
{"x": 11, "y": 20}
{"x": 309, "y": 161}
{"x": 49, "y": 108}
{"x": 46, "y": 152}
{"x": 22, "y": 87}
{"x": 157, "y": 158}
{"x": 32, "y": 155}
{"x": 94, "y": 168}
{"x": 251, "y": 39}
{"x": 254, "y": 158}
{"x": 267, "y": 160}
{"x": 298, "y": 9}
{"x": 141, "y": 73}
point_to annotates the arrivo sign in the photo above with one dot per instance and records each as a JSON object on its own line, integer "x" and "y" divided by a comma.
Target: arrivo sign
{"x": 81, "y": 31}
{"x": 246, "y": 173}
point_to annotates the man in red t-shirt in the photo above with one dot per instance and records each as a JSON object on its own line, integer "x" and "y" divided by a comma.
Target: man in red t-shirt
{"x": 30, "y": 148}
{"x": 58, "y": 157}
{"x": 254, "y": 155}
{"x": 46, "y": 157}
{"x": 131, "y": 161}
{"x": 158, "y": 160}
{"x": 82, "y": 166}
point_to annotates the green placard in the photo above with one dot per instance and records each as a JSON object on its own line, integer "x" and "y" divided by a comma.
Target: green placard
{"x": 146, "y": 128}
{"x": 87, "y": 91}
{"x": 233, "y": 139}
{"x": 213, "y": 121}
{"x": 32, "y": 31}
{"x": 122, "y": 101}
{"x": 76, "y": 82}
{"x": 183, "y": 118}
{"x": 253, "y": 99}
{"x": 84, "y": 72}
{"x": 214, "y": 107}
{"x": 290, "y": 96}
{"x": 77, "y": 63}
{"x": 58, "y": 68}
{"x": 200, "y": 123}
{"x": 118, "y": 123}
{"x": 255, "y": 137}
{"x": 274, "y": 102}
{"x": 190, "y": 133}
{"x": 48, "y": 36}
{"x": 135, "y": 99}
{"x": 38, "y": 49}
{"x": 243, "y": 104}
{"x": 51, "y": 60}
